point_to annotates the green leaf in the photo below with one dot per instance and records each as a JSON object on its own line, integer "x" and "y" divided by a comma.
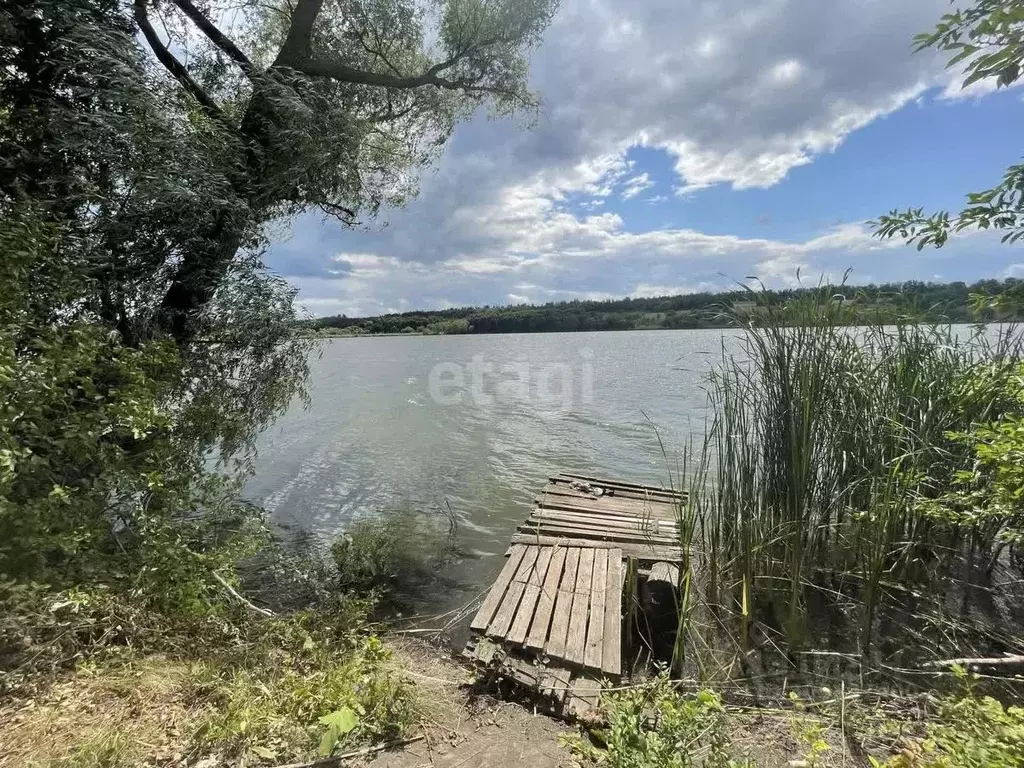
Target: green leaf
{"x": 327, "y": 742}
{"x": 266, "y": 754}
{"x": 342, "y": 720}
{"x": 339, "y": 723}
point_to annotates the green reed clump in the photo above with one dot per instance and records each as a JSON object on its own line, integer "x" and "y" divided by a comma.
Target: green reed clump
{"x": 825, "y": 438}
{"x": 397, "y": 553}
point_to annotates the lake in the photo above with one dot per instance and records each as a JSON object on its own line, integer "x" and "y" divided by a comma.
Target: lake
{"x": 479, "y": 422}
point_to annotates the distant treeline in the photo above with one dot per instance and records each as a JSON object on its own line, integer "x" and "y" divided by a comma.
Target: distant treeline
{"x": 923, "y": 301}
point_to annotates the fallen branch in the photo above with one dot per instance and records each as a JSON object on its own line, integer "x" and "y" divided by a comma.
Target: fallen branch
{"x": 324, "y": 762}
{"x": 999, "y": 661}
{"x": 234, "y": 593}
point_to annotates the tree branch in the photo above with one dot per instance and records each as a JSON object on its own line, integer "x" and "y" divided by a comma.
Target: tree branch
{"x": 342, "y": 73}
{"x": 298, "y": 41}
{"x": 175, "y": 67}
{"x": 215, "y": 36}
{"x": 345, "y": 215}
{"x": 234, "y": 593}
{"x": 345, "y": 74}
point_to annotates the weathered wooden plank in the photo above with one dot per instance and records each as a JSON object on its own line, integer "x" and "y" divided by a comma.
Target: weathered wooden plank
{"x": 575, "y": 643}
{"x": 604, "y": 482}
{"x": 640, "y": 510}
{"x": 573, "y": 487}
{"x": 611, "y": 656}
{"x": 665, "y": 572}
{"x": 502, "y": 620}
{"x": 594, "y": 647}
{"x": 591, "y": 518}
{"x": 616, "y": 500}
{"x": 643, "y": 552}
{"x": 559, "y": 528}
{"x": 555, "y": 682}
{"x": 563, "y": 605}
{"x": 620, "y": 504}
{"x": 558, "y": 512}
{"x": 546, "y": 599}
{"x": 654, "y": 527}
{"x": 608, "y": 508}
{"x": 482, "y": 650}
{"x": 522, "y": 671}
{"x": 493, "y": 600}
{"x": 635, "y": 532}
{"x": 568, "y": 477}
{"x": 582, "y": 701}
{"x": 525, "y": 611}
{"x": 661, "y": 525}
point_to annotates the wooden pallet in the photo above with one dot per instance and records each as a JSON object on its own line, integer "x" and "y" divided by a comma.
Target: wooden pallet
{"x": 639, "y": 520}
{"x": 554, "y": 613}
{"x": 562, "y": 601}
{"x": 571, "y": 693}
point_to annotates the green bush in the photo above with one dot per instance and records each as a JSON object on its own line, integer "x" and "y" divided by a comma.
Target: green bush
{"x": 969, "y": 731}
{"x": 656, "y": 727}
{"x": 291, "y": 704}
{"x": 397, "y": 553}
{"x": 986, "y": 492}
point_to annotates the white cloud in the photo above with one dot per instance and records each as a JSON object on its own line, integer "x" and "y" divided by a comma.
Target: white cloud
{"x": 636, "y": 185}
{"x": 1014, "y": 270}
{"x": 557, "y": 256}
{"x": 737, "y": 92}
{"x": 786, "y": 72}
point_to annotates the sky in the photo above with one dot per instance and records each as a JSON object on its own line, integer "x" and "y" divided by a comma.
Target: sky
{"x": 681, "y": 146}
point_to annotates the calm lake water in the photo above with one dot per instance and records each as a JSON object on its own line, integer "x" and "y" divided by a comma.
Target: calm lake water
{"x": 479, "y": 422}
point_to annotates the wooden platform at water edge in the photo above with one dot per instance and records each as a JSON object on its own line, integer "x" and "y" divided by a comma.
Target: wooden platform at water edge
{"x": 553, "y": 619}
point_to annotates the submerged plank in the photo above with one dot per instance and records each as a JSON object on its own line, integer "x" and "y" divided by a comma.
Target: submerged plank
{"x": 605, "y": 483}
{"x": 546, "y": 599}
{"x": 563, "y": 605}
{"x": 576, "y": 640}
{"x": 554, "y": 495}
{"x": 611, "y": 657}
{"x": 502, "y": 620}
{"x": 493, "y": 600}
{"x": 531, "y": 592}
{"x": 595, "y": 628}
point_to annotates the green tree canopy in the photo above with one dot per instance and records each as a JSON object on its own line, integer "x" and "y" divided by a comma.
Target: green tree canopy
{"x": 987, "y": 39}
{"x": 329, "y": 105}
{"x": 145, "y": 145}
{"x": 252, "y": 111}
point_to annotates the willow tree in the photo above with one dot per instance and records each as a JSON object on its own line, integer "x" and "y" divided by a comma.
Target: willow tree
{"x": 326, "y": 104}
{"x": 145, "y": 146}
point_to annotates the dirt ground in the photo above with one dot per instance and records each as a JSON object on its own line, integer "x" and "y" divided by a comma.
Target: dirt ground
{"x": 145, "y": 715}
{"x": 463, "y": 730}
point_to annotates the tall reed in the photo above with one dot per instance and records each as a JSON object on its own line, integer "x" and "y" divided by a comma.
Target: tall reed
{"x": 824, "y": 438}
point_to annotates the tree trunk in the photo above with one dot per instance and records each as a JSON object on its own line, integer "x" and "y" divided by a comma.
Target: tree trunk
{"x": 197, "y": 279}
{"x": 204, "y": 268}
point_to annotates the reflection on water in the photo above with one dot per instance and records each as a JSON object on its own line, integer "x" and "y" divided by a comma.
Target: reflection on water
{"x": 479, "y": 422}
